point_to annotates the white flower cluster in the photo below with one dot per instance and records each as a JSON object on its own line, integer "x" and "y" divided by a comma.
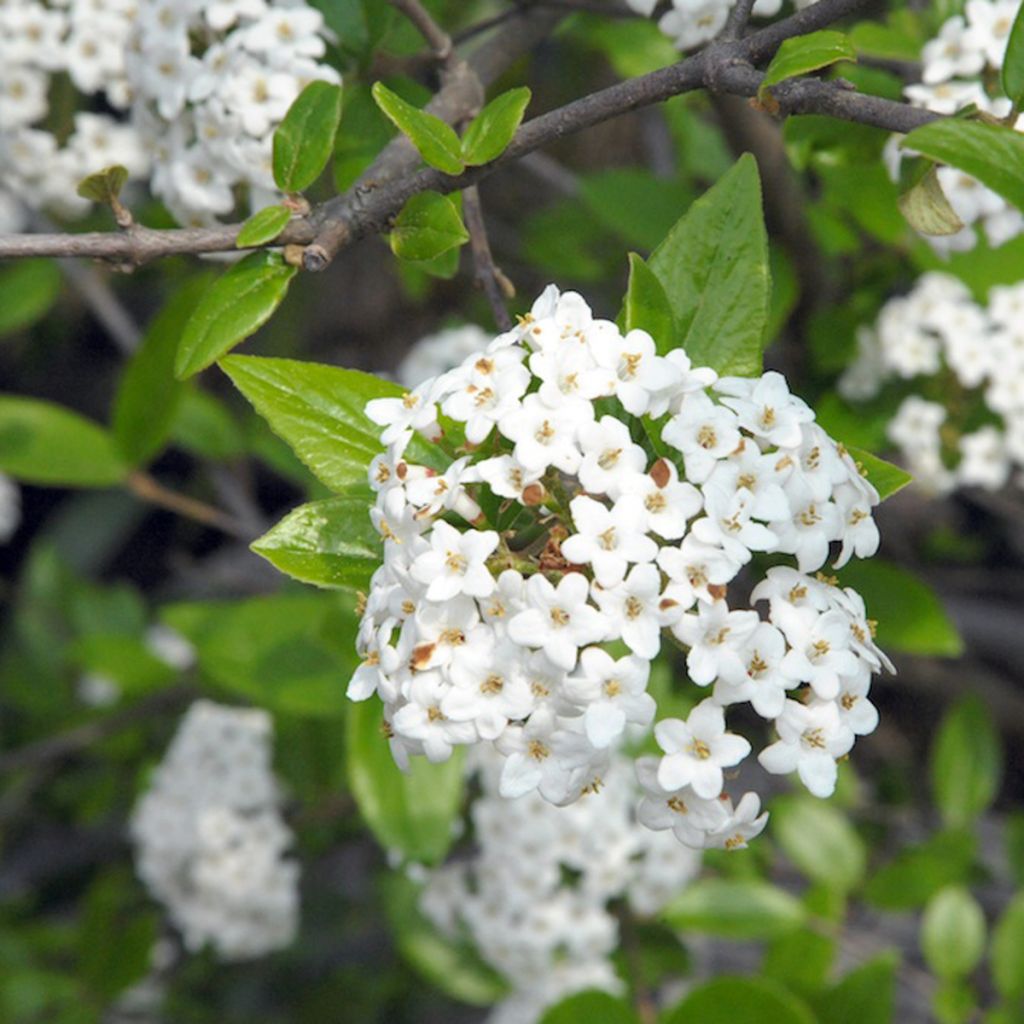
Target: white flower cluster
{"x": 961, "y": 67}
{"x": 963, "y": 425}
{"x": 199, "y": 88}
{"x": 534, "y": 899}
{"x": 209, "y": 838}
{"x": 547, "y": 532}
{"x": 437, "y": 353}
{"x": 692, "y": 23}
{"x": 10, "y": 508}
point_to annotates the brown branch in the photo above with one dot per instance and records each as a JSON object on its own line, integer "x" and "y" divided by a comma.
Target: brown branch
{"x": 436, "y": 38}
{"x": 369, "y": 206}
{"x": 488, "y": 277}
{"x": 738, "y": 19}
{"x": 143, "y": 486}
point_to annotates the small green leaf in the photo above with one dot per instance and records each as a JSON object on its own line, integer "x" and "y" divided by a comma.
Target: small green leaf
{"x": 204, "y": 426}
{"x": 918, "y": 872}
{"x": 713, "y": 265}
{"x": 490, "y": 132}
{"x": 735, "y": 908}
{"x": 103, "y": 186}
{"x": 126, "y": 660}
{"x": 1012, "y": 74}
{"x": 319, "y": 411}
{"x": 412, "y": 812}
{"x": 909, "y": 613}
{"x": 44, "y": 443}
{"x": 802, "y": 54}
{"x": 1007, "y": 953}
{"x": 236, "y": 305}
{"x": 263, "y": 226}
{"x": 436, "y": 141}
{"x": 927, "y": 209}
{"x": 27, "y": 292}
{"x": 800, "y": 960}
{"x": 820, "y": 841}
{"x": 593, "y": 1007}
{"x": 646, "y": 306}
{"x": 994, "y": 154}
{"x": 428, "y": 226}
{"x": 148, "y": 396}
{"x": 863, "y": 996}
{"x": 304, "y": 140}
{"x": 953, "y": 933}
{"x": 329, "y": 543}
{"x": 731, "y": 1000}
{"x": 966, "y": 762}
{"x": 886, "y": 478}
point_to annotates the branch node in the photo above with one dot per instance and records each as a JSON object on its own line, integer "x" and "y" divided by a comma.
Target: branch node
{"x": 315, "y": 258}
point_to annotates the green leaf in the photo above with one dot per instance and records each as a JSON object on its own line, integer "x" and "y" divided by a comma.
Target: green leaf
{"x": 886, "y": 478}
{"x": 436, "y": 141}
{"x": 318, "y": 411}
{"x": 714, "y": 267}
{"x": 329, "y": 543}
{"x": 263, "y": 226}
{"x": 593, "y": 1007}
{"x": 124, "y": 659}
{"x": 428, "y": 226}
{"x": 953, "y": 933}
{"x": 304, "y": 140}
{"x": 453, "y": 967}
{"x": 1007, "y": 953}
{"x": 27, "y": 292}
{"x": 966, "y": 762}
{"x": 411, "y": 812}
{"x": 820, "y": 841}
{"x": 103, "y": 186}
{"x": 490, "y": 132}
{"x": 235, "y": 306}
{"x": 927, "y": 208}
{"x": 289, "y": 652}
{"x": 148, "y": 395}
{"x": 800, "y": 960}
{"x": 918, "y": 872}
{"x": 909, "y": 613}
{"x": 1012, "y": 73}
{"x": 863, "y": 996}
{"x": 204, "y": 426}
{"x": 801, "y": 54}
{"x": 44, "y": 443}
{"x": 1015, "y": 846}
{"x": 993, "y": 154}
{"x": 646, "y": 306}
{"x": 735, "y": 909}
{"x": 731, "y": 1000}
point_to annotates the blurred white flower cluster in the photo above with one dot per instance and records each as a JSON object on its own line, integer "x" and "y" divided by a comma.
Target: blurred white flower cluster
{"x": 963, "y": 423}
{"x": 10, "y": 507}
{"x": 548, "y": 531}
{"x": 438, "y": 353}
{"x": 960, "y": 67}
{"x": 535, "y": 898}
{"x": 692, "y": 23}
{"x": 210, "y": 841}
{"x": 198, "y": 89}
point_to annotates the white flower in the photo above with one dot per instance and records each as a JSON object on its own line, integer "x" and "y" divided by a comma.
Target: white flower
{"x": 608, "y": 539}
{"x": 415, "y": 410}
{"x": 765, "y": 684}
{"x": 697, "y": 750}
{"x": 544, "y": 436}
{"x": 611, "y": 461}
{"x": 856, "y": 712}
{"x": 639, "y": 610}
{"x": 695, "y": 568}
{"x": 729, "y": 525}
{"x": 611, "y": 694}
{"x": 639, "y": 374}
{"x": 983, "y": 459}
{"x": 704, "y": 433}
{"x": 558, "y": 619}
{"x": 690, "y": 817}
{"x": 494, "y": 692}
{"x": 455, "y": 563}
{"x": 716, "y": 638}
{"x": 765, "y": 407}
{"x": 423, "y": 720}
{"x": 811, "y": 737}
{"x": 668, "y": 502}
{"x": 507, "y": 477}
{"x": 814, "y": 524}
{"x": 819, "y": 648}
{"x": 746, "y": 822}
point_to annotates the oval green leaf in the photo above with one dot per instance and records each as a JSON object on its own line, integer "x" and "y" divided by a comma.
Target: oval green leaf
{"x": 731, "y": 1000}
{"x": 428, "y": 226}
{"x": 646, "y": 306}
{"x": 304, "y": 140}
{"x": 27, "y": 292}
{"x": 490, "y": 132}
{"x": 44, "y": 443}
{"x": 927, "y": 208}
{"x": 735, "y": 908}
{"x": 103, "y": 186}
{"x": 436, "y": 140}
{"x": 1007, "y": 955}
{"x": 918, "y": 872}
{"x": 236, "y": 305}
{"x": 820, "y": 841}
{"x": 329, "y": 543}
{"x": 594, "y": 1007}
{"x": 263, "y": 226}
{"x": 886, "y": 478}
{"x": 953, "y": 933}
{"x": 801, "y": 54}
{"x": 966, "y": 762}
{"x": 1012, "y": 73}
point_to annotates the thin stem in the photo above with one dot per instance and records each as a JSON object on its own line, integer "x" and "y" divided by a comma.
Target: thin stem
{"x": 436, "y": 38}
{"x": 488, "y": 277}
{"x": 143, "y": 486}
{"x": 738, "y": 19}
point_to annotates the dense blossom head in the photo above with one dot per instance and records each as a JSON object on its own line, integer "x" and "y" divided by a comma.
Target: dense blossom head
{"x": 209, "y": 838}
{"x": 186, "y": 93}
{"x": 960, "y": 68}
{"x": 958, "y": 369}
{"x": 557, "y": 541}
